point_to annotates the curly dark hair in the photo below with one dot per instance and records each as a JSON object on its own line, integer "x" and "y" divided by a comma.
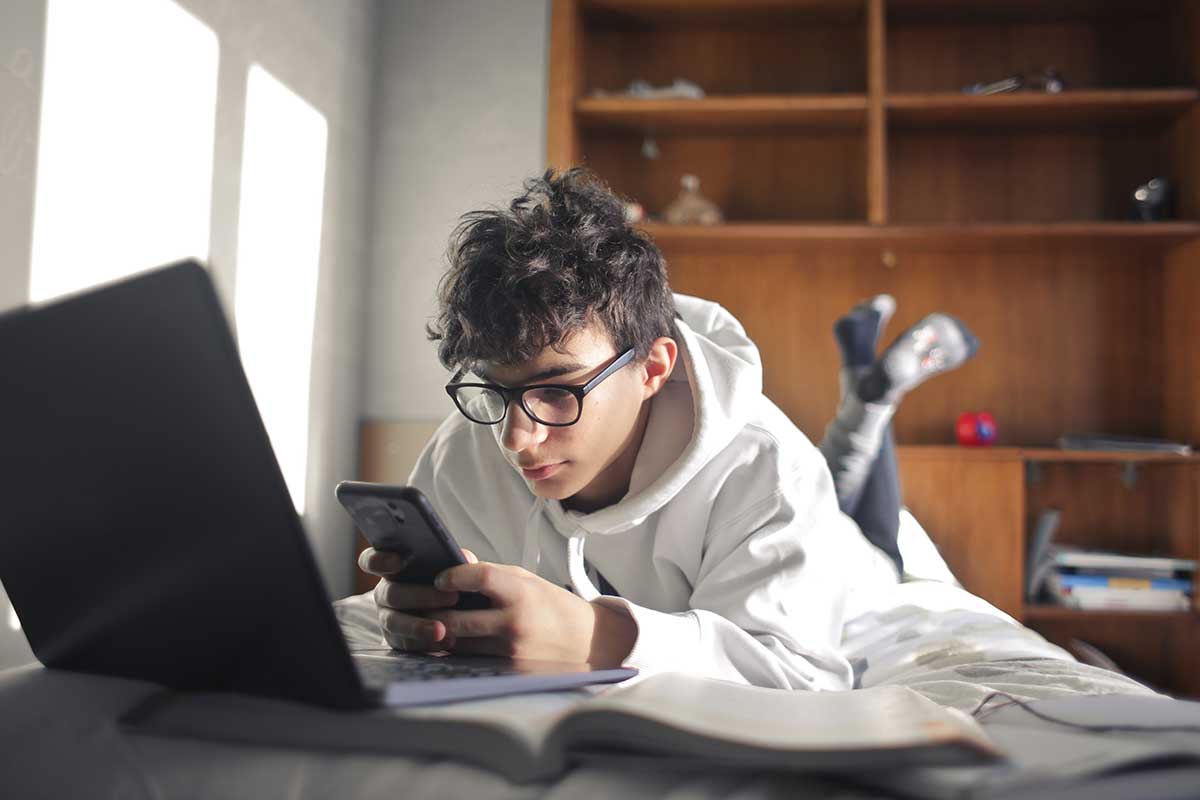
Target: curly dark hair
{"x": 560, "y": 258}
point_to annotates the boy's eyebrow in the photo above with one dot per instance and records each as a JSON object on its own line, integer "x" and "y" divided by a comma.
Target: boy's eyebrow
{"x": 546, "y": 374}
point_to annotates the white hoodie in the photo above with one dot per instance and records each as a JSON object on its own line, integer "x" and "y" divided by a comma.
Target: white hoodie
{"x": 729, "y": 550}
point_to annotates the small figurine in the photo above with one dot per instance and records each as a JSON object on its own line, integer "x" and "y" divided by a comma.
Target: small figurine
{"x": 691, "y": 207}
{"x": 1152, "y": 200}
{"x": 634, "y": 213}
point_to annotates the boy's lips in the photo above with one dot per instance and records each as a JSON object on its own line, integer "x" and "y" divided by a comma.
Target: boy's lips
{"x": 542, "y": 472}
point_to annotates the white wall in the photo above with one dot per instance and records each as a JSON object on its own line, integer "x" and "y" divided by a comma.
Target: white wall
{"x": 462, "y": 121}
{"x": 324, "y": 51}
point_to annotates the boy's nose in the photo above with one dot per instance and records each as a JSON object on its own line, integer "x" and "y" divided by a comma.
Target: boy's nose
{"x": 520, "y": 431}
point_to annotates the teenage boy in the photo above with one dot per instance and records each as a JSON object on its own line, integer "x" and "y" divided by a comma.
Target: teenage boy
{"x": 609, "y": 433}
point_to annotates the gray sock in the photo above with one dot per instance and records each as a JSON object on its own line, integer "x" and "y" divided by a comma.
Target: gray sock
{"x": 936, "y": 344}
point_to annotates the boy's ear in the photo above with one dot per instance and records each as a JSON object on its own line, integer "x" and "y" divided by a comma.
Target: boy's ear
{"x": 659, "y": 364}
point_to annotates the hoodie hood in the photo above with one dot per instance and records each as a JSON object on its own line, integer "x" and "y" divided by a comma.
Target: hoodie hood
{"x": 696, "y": 415}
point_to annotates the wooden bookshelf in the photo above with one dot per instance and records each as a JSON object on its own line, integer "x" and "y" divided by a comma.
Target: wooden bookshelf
{"x": 835, "y": 137}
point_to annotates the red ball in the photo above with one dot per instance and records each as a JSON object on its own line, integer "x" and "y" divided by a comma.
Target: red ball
{"x": 966, "y": 429}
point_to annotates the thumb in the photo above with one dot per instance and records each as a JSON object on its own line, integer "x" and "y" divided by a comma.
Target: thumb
{"x": 471, "y": 557}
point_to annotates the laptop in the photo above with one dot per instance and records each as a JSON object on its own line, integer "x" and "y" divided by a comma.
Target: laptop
{"x": 145, "y": 527}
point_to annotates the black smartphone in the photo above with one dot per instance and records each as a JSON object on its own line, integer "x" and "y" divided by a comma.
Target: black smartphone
{"x": 399, "y": 519}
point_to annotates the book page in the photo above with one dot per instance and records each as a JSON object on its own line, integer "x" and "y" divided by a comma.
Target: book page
{"x": 529, "y": 718}
{"x": 778, "y": 719}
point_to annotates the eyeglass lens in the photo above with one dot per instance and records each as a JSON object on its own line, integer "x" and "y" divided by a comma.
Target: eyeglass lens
{"x": 547, "y": 405}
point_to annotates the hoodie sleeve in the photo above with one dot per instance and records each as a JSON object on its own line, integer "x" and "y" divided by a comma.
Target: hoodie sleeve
{"x": 769, "y": 589}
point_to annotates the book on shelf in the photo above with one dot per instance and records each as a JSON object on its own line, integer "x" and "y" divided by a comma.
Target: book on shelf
{"x": 1094, "y": 598}
{"x": 1122, "y": 444}
{"x": 668, "y": 717}
{"x": 1094, "y": 579}
{"x": 1121, "y": 563}
{"x": 1079, "y": 580}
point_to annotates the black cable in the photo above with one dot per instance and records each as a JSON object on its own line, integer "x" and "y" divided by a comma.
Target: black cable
{"x": 1022, "y": 704}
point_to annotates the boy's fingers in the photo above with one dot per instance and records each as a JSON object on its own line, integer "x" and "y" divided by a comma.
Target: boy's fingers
{"x": 473, "y": 624}
{"x": 471, "y": 557}
{"x": 411, "y": 596}
{"x": 383, "y": 563}
{"x": 494, "y": 580}
{"x": 410, "y": 629}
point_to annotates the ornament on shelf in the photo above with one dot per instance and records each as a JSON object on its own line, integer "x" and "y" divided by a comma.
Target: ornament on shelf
{"x": 634, "y": 213}
{"x": 975, "y": 429}
{"x": 1048, "y": 80}
{"x": 1152, "y": 200}
{"x": 691, "y": 207}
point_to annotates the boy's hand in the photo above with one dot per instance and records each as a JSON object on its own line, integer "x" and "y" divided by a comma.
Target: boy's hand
{"x": 531, "y": 618}
{"x": 402, "y": 606}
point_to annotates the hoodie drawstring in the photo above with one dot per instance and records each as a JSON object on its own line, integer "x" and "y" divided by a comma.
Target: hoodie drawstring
{"x": 576, "y": 568}
{"x": 531, "y": 558}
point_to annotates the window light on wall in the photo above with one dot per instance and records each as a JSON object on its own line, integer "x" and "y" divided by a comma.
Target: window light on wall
{"x": 278, "y": 255}
{"x": 124, "y": 174}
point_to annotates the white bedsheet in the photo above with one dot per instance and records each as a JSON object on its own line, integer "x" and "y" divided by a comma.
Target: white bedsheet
{"x": 957, "y": 648}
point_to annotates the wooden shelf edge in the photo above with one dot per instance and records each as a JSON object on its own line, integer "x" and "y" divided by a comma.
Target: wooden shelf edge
{"x": 1048, "y": 454}
{"x": 723, "y": 112}
{"x": 943, "y": 452}
{"x": 1046, "y": 611}
{"x": 765, "y": 233}
{"x": 1036, "y": 110}
{"x": 1181, "y": 96}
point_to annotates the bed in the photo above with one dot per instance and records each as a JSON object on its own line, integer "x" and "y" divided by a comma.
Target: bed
{"x": 60, "y": 737}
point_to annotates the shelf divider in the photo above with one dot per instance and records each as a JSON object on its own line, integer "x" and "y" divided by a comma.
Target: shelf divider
{"x": 877, "y": 167}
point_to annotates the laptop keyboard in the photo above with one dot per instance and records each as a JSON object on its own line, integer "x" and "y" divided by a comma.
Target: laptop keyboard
{"x": 398, "y": 667}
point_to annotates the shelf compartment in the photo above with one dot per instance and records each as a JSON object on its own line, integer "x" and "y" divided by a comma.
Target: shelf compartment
{"x": 1072, "y": 108}
{"x": 786, "y": 234}
{"x": 1156, "y": 514}
{"x": 946, "y": 45}
{"x": 746, "y": 112}
{"x": 815, "y": 175}
{"x": 1039, "y": 176}
{"x": 726, "y": 48}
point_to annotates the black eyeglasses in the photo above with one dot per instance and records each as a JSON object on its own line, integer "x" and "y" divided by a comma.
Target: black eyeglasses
{"x": 554, "y": 404}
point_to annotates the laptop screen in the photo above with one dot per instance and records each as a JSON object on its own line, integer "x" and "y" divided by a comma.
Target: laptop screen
{"x": 145, "y": 527}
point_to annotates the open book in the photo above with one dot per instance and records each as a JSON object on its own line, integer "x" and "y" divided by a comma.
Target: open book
{"x": 666, "y": 716}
